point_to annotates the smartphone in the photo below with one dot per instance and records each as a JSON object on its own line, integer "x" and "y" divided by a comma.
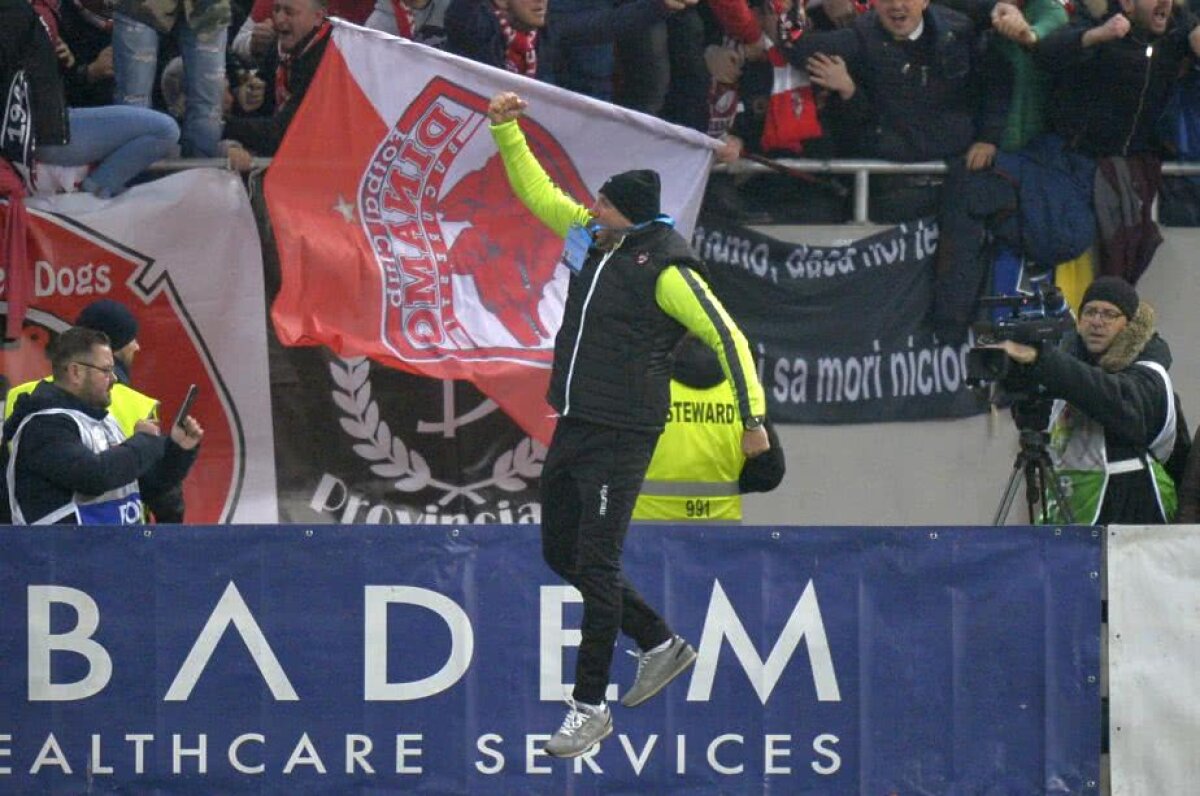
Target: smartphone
{"x": 186, "y": 408}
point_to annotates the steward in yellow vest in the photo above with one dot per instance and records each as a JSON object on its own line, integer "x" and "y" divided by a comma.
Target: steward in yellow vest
{"x": 128, "y": 405}
{"x": 699, "y": 473}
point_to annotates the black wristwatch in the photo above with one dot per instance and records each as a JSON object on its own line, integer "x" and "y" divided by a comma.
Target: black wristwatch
{"x": 753, "y": 422}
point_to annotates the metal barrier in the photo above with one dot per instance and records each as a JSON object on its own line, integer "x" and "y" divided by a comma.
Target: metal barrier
{"x": 860, "y": 169}
{"x": 863, "y": 169}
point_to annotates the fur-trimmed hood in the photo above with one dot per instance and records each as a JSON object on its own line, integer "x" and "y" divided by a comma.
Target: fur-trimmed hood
{"x": 1138, "y": 340}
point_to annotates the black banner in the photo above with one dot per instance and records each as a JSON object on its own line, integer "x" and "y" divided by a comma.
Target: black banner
{"x": 841, "y": 333}
{"x": 358, "y": 442}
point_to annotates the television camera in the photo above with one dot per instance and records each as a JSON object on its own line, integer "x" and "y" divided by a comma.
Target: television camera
{"x": 1037, "y": 319}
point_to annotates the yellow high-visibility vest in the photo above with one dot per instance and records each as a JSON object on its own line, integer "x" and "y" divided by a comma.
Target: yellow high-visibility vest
{"x": 693, "y": 476}
{"x": 127, "y": 408}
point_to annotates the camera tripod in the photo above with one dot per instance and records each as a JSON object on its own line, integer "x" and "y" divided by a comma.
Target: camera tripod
{"x": 1040, "y": 477}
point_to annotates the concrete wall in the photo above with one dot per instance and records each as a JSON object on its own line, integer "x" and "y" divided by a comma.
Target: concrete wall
{"x": 952, "y": 472}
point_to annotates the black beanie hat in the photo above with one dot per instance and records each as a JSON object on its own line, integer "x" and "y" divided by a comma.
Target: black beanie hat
{"x": 111, "y": 317}
{"x": 634, "y": 193}
{"x": 1115, "y": 291}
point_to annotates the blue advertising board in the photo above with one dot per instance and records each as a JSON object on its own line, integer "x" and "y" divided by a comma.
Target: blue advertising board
{"x": 294, "y": 659}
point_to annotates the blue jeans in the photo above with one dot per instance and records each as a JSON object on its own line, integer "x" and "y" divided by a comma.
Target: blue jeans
{"x": 121, "y": 140}
{"x": 135, "y": 62}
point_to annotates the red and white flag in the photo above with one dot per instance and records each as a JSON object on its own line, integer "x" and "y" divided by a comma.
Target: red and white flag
{"x": 399, "y": 237}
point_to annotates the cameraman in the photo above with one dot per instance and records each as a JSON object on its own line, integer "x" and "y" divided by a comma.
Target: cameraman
{"x": 1113, "y": 418}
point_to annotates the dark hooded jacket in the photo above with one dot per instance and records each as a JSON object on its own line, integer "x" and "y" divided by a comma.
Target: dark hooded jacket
{"x": 1130, "y": 401}
{"x": 53, "y": 465}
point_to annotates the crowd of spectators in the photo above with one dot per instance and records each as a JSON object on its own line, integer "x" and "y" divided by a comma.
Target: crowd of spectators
{"x": 1052, "y": 118}
{"x": 898, "y": 80}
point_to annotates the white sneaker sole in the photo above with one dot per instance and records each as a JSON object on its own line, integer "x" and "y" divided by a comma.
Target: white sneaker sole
{"x": 607, "y": 732}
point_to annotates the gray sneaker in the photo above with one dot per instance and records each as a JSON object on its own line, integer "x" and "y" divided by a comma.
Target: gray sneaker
{"x": 656, "y": 669}
{"x": 582, "y": 729}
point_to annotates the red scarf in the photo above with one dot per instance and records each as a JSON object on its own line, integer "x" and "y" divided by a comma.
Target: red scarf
{"x": 520, "y": 55}
{"x": 404, "y": 19}
{"x": 14, "y": 254}
{"x": 792, "y": 109}
{"x": 283, "y": 74}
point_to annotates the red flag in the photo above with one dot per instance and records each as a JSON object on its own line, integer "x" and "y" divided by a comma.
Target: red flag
{"x": 399, "y": 237}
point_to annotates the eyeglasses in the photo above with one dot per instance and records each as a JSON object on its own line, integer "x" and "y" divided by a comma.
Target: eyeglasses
{"x": 110, "y": 372}
{"x": 1106, "y": 315}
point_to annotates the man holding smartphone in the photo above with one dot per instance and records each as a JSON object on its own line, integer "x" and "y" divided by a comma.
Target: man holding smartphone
{"x": 69, "y": 461}
{"x": 128, "y": 406}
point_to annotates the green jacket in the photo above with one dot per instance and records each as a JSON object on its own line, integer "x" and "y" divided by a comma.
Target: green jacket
{"x": 1031, "y": 84}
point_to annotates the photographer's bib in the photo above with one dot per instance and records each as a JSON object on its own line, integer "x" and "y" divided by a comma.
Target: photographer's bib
{"x": 1080, "y": 456}
{"x": 120, "y": 506}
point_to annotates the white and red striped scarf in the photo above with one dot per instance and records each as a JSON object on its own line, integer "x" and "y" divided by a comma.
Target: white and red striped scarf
{"x": 404, "y": 19}
{"x": 520, "y": 54}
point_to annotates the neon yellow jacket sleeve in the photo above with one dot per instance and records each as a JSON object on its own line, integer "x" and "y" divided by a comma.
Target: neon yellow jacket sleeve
{"x": 686, "y": 297}
{"x": 533, "y": 185}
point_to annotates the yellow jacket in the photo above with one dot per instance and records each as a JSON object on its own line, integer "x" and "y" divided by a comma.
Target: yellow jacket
{"x": 127, "y": 408}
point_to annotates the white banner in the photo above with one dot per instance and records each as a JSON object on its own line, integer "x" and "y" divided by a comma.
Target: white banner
{"x": 1153, "y": 649}
{"x": 183, "y": 254}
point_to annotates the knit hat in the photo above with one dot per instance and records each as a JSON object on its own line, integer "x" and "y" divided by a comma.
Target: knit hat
{"x": 1115, "y": 291}
{"x": 112, "y": 318}
{"x": 634, "y": 193}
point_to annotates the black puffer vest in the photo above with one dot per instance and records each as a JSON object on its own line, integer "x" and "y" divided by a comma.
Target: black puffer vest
{"x": 612, "y": 356}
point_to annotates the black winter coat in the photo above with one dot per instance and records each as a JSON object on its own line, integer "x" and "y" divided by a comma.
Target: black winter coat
{"x": 262, "y": 135}
{"x": 1107, "y": 99}
{"x": 25, "y": 46}
{"x": 915, "y": 100}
